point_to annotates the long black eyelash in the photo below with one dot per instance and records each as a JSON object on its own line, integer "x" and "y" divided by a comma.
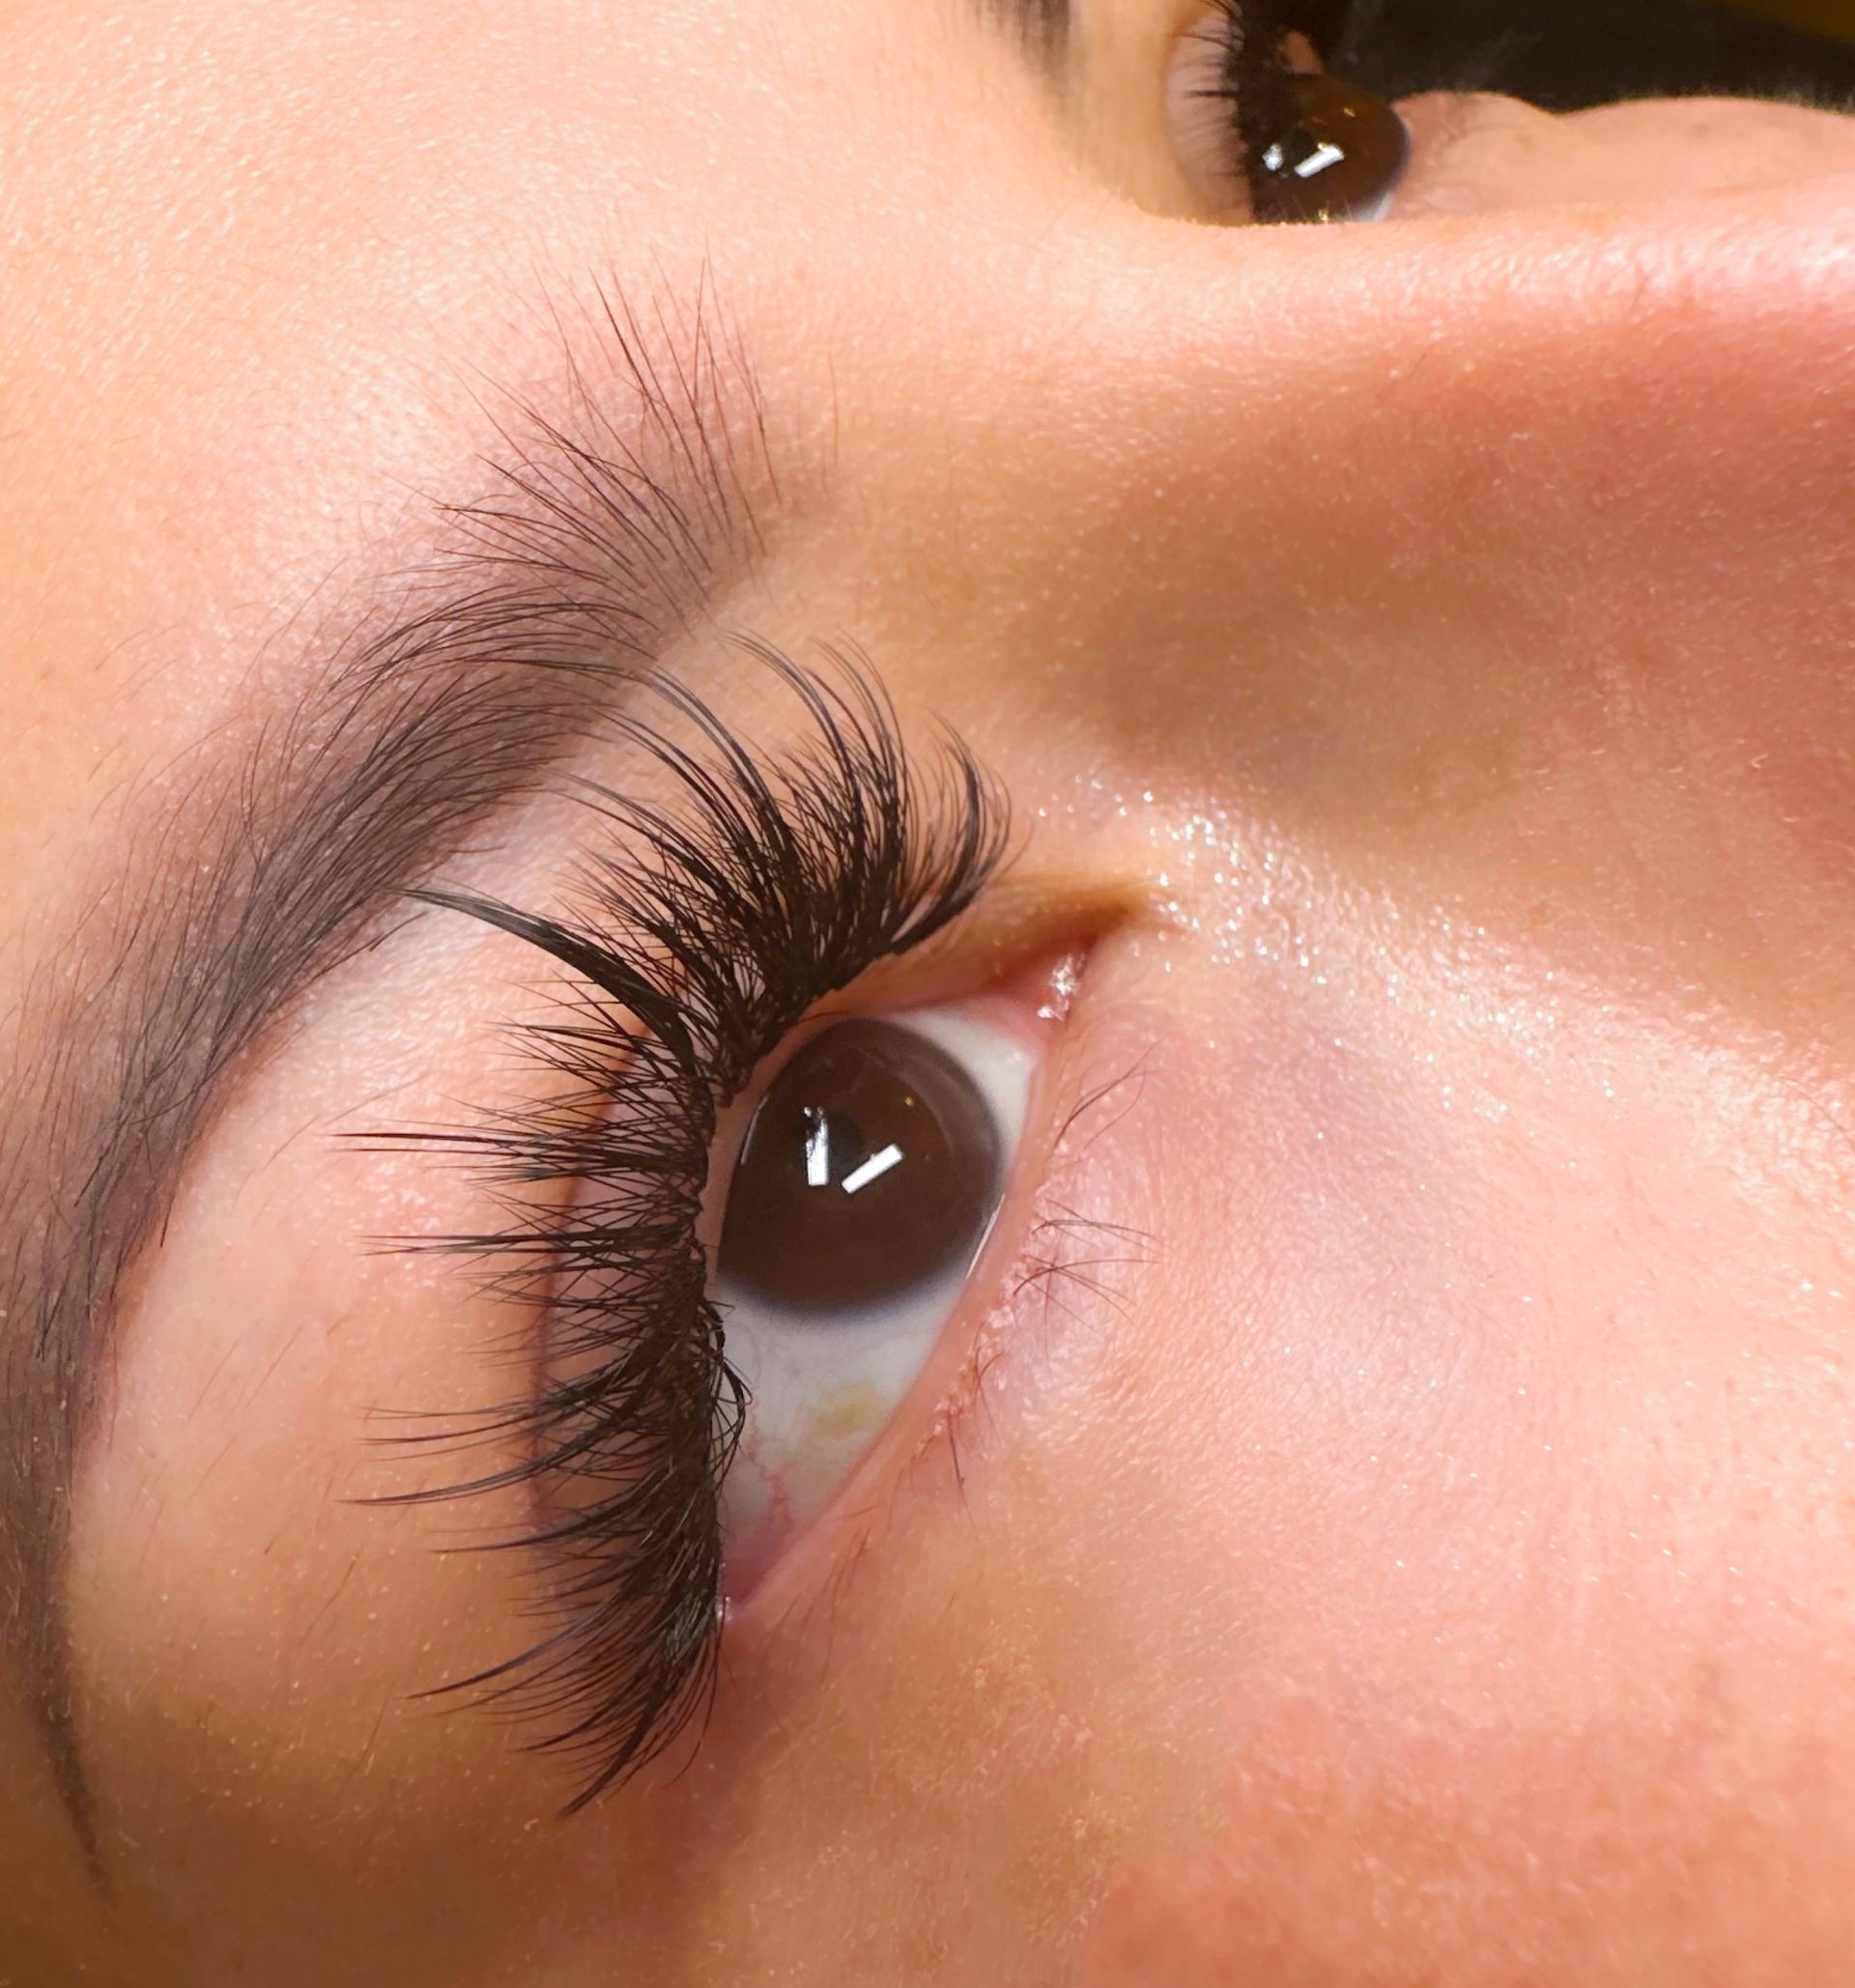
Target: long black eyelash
{"x": 1257, "y": 81}
{"x": 700, "y": 937}
{"x": 1256, "y": 78}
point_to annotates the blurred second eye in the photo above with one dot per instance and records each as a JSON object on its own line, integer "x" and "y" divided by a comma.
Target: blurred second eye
{"x": 871, "y": 1167}
{"x": 1261, "y": 132}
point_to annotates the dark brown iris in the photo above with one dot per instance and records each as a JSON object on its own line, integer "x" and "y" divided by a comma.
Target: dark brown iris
{"x": 870, "y": 1167}
{"x": 1343, "y": 150}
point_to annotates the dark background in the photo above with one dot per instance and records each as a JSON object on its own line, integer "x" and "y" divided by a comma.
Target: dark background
{"x": 1567, "y": 53}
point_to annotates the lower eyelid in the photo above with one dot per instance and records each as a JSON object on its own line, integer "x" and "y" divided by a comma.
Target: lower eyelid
{"x": 936, "y": 1439}
{"x": 823, "y": 1387}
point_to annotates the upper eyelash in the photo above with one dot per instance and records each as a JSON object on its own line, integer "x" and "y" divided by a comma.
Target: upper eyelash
{"x": 1255, "y": 80}
{"x": 701, "y": 935}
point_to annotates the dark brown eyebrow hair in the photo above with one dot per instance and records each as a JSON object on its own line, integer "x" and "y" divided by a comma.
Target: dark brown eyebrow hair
{"x": 601, "y": 535}
{"x": 1041, "y": 26}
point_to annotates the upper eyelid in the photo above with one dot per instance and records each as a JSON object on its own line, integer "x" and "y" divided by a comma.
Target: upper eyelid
{"x": 705, "y": 931}
{"x": 601, "y": 533}
{"x": 1116, "y": 68}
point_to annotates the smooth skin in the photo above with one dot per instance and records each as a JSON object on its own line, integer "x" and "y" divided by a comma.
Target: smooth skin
{"x": 1419, "y": 657}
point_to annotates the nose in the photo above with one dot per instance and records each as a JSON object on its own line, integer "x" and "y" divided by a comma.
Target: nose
{"x": 1476, "y": 152}
{"x": 1395, "y": 485}
{"x": 1523, "y": 532}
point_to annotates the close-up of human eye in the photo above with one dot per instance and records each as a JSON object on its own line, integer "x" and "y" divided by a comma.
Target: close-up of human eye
{"x": 867, "y": 1181}
{"x": 748, "y": 1220}
{"x": 921, "y": 970}
{"x": 1261, "y": 128}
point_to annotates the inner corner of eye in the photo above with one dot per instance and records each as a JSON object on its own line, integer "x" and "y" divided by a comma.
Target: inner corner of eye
{"x": 853, "y": 1190}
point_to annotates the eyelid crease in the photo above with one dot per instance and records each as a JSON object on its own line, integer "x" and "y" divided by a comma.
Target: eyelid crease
{"x": 1029, "y": 911}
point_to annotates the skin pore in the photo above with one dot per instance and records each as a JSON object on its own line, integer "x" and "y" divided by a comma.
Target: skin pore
{"x": 1418, "y": 1548}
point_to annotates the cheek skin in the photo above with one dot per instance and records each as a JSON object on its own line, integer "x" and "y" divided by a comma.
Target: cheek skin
{"x": 1463, "y": 1848}
{"x": 1398, "y": 1580}
{"x": 1409, "y": 1538}
{"x": 1544, "y": 1679}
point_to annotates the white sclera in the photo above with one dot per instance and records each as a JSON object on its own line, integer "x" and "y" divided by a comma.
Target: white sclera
{"x": 823, "y": 1388}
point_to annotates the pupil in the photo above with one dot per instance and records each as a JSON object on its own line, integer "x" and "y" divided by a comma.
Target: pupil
{"x": 870, "y": 1167}
{"x": 1348, "y": 151}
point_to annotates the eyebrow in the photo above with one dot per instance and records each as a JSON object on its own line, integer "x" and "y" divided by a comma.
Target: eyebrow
{"x": 1041, "y": 25}
{"x": 603, "y": 534}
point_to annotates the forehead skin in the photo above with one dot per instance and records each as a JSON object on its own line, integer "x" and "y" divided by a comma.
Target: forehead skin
{"x": 1429, "y": 1561}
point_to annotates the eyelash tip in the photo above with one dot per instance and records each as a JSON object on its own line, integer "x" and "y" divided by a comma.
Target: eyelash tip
{"x": 768, "y": 882}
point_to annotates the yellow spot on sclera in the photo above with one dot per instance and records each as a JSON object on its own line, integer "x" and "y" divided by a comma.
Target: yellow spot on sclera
{"x": 847, "y": 1414}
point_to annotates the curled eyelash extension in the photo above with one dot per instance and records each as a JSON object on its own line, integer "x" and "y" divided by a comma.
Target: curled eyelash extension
{"x": 706, "y": 929}
{"x": 1256, "y": 78}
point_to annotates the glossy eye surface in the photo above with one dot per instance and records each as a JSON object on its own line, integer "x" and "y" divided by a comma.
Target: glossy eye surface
{"x": 1263, "y": 129}
{"x": 871, "y": 1165}
{"x": 869, "y": 1174}
{"x": 1340, "y": 157}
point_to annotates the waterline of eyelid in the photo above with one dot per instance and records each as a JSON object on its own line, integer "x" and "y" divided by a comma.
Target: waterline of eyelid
{"x": 802, "y": 1440}
{"x": 1055, "y": 1261}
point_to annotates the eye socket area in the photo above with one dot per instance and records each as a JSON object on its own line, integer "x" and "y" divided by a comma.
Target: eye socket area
{"x": 856, "y": 1190}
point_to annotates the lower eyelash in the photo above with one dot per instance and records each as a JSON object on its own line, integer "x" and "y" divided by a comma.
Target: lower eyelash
{"x": 700, "y": 935}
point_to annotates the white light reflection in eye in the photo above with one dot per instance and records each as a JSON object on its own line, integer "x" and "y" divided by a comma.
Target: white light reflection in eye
{"x": 826, "y": 1373}
{"x": 818, "y": 1150}
{"x": 873, "y": 1169}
